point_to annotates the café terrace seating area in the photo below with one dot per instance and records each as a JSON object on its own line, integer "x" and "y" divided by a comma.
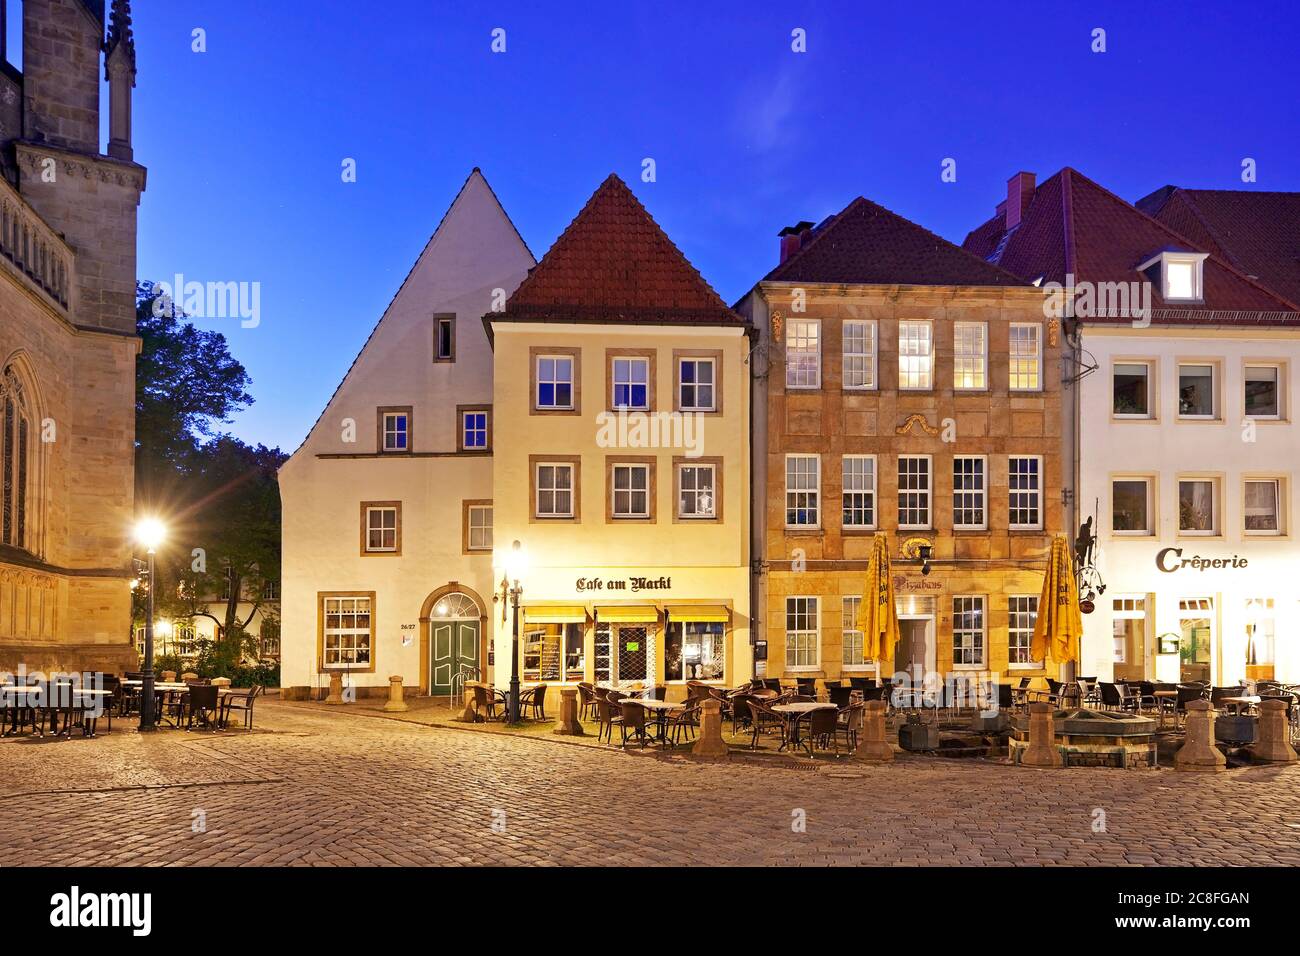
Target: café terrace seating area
{"x": 67, "y": 705}
{"x": 820, "y": 719}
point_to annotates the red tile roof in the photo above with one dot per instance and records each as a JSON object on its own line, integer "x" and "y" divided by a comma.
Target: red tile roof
{"x": 866, "y": 243}
{"x": 1256, "y": 232}
{"x": 614, "y": 264}
{"x": 1073, "y": 226}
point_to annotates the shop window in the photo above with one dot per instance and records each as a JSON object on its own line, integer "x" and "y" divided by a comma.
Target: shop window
{"x": 1022, "y": 612}
{"x": 859, "y": 354}
{"x": 1128, "y": 634}
{"x": 1196, "y": 638}
{"x": 801, "y": 643}
{"x": 1131, "y": 390}
{"x": 970, "y": 355}
{"x": 694, "y": 650}
{"x": 552, "y": 653}
{"x": 968, "y": 490}
{"x": 347, "y": 631}
{"x": 1260, "y": 639}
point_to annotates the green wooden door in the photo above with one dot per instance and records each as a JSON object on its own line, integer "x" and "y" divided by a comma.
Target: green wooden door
{"x": 453, "y": 651}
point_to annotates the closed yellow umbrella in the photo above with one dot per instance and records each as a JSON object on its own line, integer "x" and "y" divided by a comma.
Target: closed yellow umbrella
{"x": 878, "y": 615}
{"x": 1059, "y": 625}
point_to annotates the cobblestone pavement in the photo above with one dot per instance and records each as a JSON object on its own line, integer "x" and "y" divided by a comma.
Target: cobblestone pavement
{"x": 330, "y": 788}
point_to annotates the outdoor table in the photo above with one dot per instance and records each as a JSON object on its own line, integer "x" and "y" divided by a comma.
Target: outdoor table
{"x": 660, "y": 708}
{"x": 157, "y": 685}
{"x": 1236, "y": 703}
{"x": 1164, "y": 695}
{"x": 11, "y": 694}
{"x": 799, "y": 712}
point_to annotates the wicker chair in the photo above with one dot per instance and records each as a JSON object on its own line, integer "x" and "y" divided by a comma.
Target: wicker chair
{"x": 761, "y": 717}
{"x": 534, "y": 699}
{"x": 606, "y": 718}
{"x": 633, "y": 723}
{"x": 242, "y": 702}
{"x": 485, "y": 703}
{"x": 203, "y": 703}
{"x": 682, "y": 722}
{"x": 850, "y": 721}
{"x": 586, "y": 700}
{"x": 823, "y": 729}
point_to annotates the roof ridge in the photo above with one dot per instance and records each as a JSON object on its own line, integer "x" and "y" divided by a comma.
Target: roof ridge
{"x": 1190, "y": 203}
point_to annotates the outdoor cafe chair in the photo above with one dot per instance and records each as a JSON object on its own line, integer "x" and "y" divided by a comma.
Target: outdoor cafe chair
{"x": 683, "y": 723}
{"x": 1186, "y": 694}
{"x": 586, "y": 700}
{"x": 203, "y": 702}
{"x": 839, "y": 696}
{"x": 807, "y": 686}
{"x": 606, "y": 718}
{"x": 860, "y": 683}
{"x": 534, "y": 699}
{"x": 1217, "y": 694}
{"x": 823, "y": 729}
{"x": 485, "y": 703}
{"x": 633, "y": 722}
{"x": 740, "y": 713}
{"x": 762, "y": 716}
{"x": 661, "y": 692}
{"x": 1088, "y": 692}
{"x": 243, "y": 702}
{"x": 849, "y": 722}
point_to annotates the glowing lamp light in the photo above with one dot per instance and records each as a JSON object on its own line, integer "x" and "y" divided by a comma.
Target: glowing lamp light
{"x": 516, "y": 561}
{"x": 163, "y": 628}
{"x": 441, "y": 609}
{"x": 150, "y": 532}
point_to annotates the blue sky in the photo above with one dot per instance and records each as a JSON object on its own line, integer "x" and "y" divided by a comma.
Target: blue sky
{"x": 245, "y": 142}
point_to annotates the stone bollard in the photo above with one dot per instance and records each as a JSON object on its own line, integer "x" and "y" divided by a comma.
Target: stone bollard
{"x": 710, "y": 742}
{"x": 1041, "y": 751}
{"x": 566, "y": 724}
{"x": 873, "y": 747}
{"x": 189, "y": 676}
{"x": 169, "y": 677}
{"x": 221, "y": 682}
{"x": 469, "y": 713}
{"x": 395, "y": 704}
{"x": 1274, "y": 745}
{"x": 1198, "y": 752}
{"x": 336, "y": 688}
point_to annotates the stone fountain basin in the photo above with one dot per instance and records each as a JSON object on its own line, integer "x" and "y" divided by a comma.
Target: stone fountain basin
{"x": 1081, "y": 722}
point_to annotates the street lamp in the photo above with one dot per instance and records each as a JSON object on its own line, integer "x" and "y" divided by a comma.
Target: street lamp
{"x": 516, "y": 563}
{"x": 149, "y": 534}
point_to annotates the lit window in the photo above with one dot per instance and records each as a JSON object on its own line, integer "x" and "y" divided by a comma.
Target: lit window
{"x": 1026, "y": 343}
{"x": 554, "y": 382}
{"x": 1198, "y": 506}
{"x": 479, "y": 521}
{"x": 552, "y": 653}
{"x": 631, "y": 488}
{"x": 695, "y": 650}
{"x": 696, "y": 383}
{"x": 1128, "y": 628}
{"x": 1025, "y": 488}
{"x": 1131, "y": 390}
{"x": 1263, "y": 506}
{"x": 346, "y": 632}
{"x": 914, "y": 492}
{"x": 915, "y": 355}
{"x": 1261, "y": 639}
{"x": 803, "y": 354}
{"x": 554, "y": 490}
{"x": 859, "y": 342}
{"x": 968, "y": 631}
{"x": 474, "y": 430}
{"x": 970, "y": 355}
{"x": 1130, "y": 506}
{"x": 1180, "y": 275}
{"x": 802, "y": 491}
{"x": 631, "y": 383}
{"x": 852, "y": 645}
{"x": 397, "y": 431}
{"x": 801, "y": 644}
{"x": 695, "y": 491}
{"x": 859, "y": 474}
{"x": 1263, "y": 391}
{"x": 1196, "y": 391}
{"x": 381, "y": 528}
{"x": 968, "y": 490}
{"x": 1022, "y": 612}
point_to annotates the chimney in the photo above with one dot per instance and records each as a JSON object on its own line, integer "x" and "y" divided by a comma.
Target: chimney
{"x": 1020, "y": 189}
{"x": 793, "y": 238}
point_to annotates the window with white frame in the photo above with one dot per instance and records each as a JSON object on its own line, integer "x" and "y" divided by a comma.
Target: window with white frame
{"x": 479, "y": 518}
{"x": 852, "y": 646}
{"x": 914, "y": 491}
{"x": 474, "y": 430}
{"x": 1263, "y": 510}
{"x": 444, "y": 338}
{"x": 554, "y": 382}
{"x": 859, "y": 354}
{"x": 631, "y": 491}
{"x": 695, "y": 485}
{"x": 696, "y": 380}
{"x": 859, "y": 474}
{"x": 347, "y": 631}
{"x": 631, "y": 383}
{"x": 1180, "y": 275}
{"x": 915, "y": 355}
{"x": 397, "y": 431}
{"x": 970, "y": 347}
{"x": 1198, "y": 506}
{"x": 1263, "y": 391}
{"x": 1022, "y": 613}
{"x": 968, "y": 631}
{"x": 1128, "y": 628}
{"x": 1196, "y": 390}
{"x": 801, "y": 644}
{"x": 802, "y": 491}
{"x": 969, "y": 486}
{"x": 381, "y": 528}
{"x": 1131, "y": 506}
{"x": 1026, "y": 346}
{"x": 1261, "y": 639}
{"x": 1131, "y": 390}
{"x": 803, "y": 354}
{"x": 554, "y": 490}
{"x": 1025, "y": 492}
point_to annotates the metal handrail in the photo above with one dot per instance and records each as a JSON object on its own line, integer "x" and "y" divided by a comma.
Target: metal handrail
{"x": 465, "y": 672}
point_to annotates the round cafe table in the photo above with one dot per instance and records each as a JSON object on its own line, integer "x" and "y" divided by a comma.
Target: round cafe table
{"x": 660, "y": 709}
{"x": 799, "y": 712}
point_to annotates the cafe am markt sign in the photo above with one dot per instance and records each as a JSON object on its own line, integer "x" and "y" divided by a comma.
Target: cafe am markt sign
{"x": 633, "y": 585}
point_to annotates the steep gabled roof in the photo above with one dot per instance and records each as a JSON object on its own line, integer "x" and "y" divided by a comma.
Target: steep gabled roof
{"x": 1073, "y": 226}
{"x": 866, "y": 243}
{"x": 1258, "y": 233}
{"x": 614, "y": 264}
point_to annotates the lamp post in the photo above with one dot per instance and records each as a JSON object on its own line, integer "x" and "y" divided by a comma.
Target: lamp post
{"x": 516, "y": 562}
{"x": 149, "y": 533}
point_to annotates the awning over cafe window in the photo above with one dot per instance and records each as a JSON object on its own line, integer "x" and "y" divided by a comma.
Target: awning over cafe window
{"x": 708, "y": 613}
{"x": 573, "y": 614}
{"x": 628, "y": 614}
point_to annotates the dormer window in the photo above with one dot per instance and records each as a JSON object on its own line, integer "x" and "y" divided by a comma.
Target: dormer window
{"x": 1180, "y": 275}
